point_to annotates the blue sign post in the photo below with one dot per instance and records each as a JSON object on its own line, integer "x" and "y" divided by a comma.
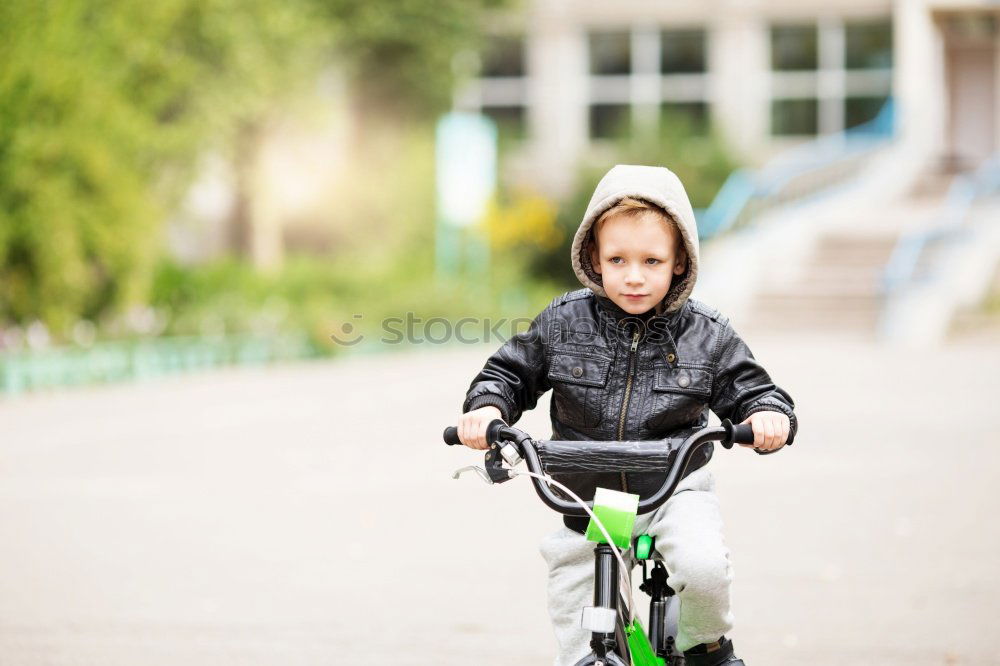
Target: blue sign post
{"x": 466, "y": 174}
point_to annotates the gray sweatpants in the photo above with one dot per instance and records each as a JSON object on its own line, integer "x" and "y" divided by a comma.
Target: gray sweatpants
{"x": 688, "y": 531}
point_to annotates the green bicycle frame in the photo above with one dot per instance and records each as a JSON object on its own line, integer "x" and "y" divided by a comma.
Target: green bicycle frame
{"x": 639, "y": 646}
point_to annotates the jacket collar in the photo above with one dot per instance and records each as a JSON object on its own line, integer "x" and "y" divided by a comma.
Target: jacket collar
{"x": 607, "y": 308}
{"x": 653, "y": 328}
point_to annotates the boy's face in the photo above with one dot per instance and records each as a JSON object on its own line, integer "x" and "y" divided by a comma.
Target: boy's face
{"x": 637, "y": 258}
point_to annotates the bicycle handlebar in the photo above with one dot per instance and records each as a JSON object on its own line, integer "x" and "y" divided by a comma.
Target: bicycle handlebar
{"x": 497, "y": 431}
{"x": 742, "y": 434}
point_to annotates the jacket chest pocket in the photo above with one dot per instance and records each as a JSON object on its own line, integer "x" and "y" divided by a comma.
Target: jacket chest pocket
{"x": 679, "y": 396}
{"x": 578, "y": 388}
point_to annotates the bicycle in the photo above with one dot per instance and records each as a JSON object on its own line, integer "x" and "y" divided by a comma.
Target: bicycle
{"x": 618, "y": 637}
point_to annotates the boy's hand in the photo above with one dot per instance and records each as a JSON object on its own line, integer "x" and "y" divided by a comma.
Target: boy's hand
{"x": 770, "y": 430}
{"x": 472, "y": 426}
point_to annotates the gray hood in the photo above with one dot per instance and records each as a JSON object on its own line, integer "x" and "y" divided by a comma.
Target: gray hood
{"x": 657, "y": 185}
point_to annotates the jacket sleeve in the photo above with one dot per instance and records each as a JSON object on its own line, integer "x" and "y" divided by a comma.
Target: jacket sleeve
{"x": 742, "y": 386}
{"x": 516, "y": 375}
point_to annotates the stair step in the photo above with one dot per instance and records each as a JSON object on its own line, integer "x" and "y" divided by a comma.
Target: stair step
{"x": 831, "y": 281}
{"x": 866, "y": 327}
{"x": 855, "y": 241}
{"x": 817, "y": 315}
{"x": 820, "y": 298}
{"x": 836, "y": 255}
{"x": 865, "y": 330}
{"x": 839, "y": 291}
{"x": 932, "y": 185}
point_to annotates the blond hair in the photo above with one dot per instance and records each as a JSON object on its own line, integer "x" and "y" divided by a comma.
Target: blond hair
{"x": 632, "y": 208}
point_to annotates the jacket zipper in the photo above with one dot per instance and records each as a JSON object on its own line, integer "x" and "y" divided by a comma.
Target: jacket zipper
{"x": 627, "y": 396}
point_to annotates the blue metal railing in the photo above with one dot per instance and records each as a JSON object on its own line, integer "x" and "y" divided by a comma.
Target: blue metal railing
{"x": 748, "y": 192}
{"x": 901, "y": 270}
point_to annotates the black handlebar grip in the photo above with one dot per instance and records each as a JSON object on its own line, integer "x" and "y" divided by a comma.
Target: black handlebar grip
{"x": 451, "y": 436}
{"x": 736, "y": 434}
{"x": 742, "y": 434}
{"x": 492, "y": 433}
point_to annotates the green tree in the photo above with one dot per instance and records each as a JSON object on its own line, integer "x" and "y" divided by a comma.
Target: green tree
{"x": 401, "y": 52}
{"x": 105, "y": 106}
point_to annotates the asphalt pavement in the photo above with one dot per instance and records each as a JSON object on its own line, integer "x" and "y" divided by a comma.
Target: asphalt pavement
{"x": 305, "y": 514}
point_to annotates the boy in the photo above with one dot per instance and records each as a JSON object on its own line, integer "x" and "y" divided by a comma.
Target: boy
{"x": 631, "y": 357}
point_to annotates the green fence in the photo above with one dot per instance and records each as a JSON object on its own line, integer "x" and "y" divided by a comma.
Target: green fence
{"x": 142, "y": 359}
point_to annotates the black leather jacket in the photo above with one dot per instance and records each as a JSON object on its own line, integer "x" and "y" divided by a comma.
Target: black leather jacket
{"x": 615, "y": 376}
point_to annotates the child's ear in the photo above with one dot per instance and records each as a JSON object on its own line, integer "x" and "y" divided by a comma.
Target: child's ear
{"x": 595, "y": 258}
{"x": 681, "y": 264}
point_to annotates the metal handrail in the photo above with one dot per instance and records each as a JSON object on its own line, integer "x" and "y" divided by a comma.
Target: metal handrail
{"x": 899, "y": 271}
{"x": 747, "y": 192}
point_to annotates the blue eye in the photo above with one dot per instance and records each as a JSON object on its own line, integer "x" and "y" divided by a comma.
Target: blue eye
{"x": 616, "y": 260}
{"x": 653, "y": 261}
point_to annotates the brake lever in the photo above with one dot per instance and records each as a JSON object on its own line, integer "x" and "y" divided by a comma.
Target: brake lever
{"x": 473, "y": 468}
{"x": 494, "y": 465}
{"x": 493, "y": 470}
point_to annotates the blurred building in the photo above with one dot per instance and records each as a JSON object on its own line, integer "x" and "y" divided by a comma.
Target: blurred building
{"x": 561, "y": 77}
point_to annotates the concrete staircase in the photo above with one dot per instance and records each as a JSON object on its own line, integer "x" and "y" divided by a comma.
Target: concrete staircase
{"x": 836, "y": 293}
{"x": 817, "y": 267}
{"x": 932, "y": 184}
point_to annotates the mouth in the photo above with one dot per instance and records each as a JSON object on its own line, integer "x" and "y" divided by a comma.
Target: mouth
{"x": 635, "y": 296}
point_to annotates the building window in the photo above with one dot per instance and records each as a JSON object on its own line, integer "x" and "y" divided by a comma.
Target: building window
{"x": 868, "y": 45}
{"x": 610, "y": 121}
{"x": 851, "y": 58}
{"x": 610, "y": 108}
{"x": 794, "y": 47}
{"x": 610, "y": 53}
{"x": 646, "y": 76}
{"x": 692, "y": 115}
{"x": 859, "y": 110}
{"x": 682, "y": 51}
{"x": 794, "y": 117}
{"x": 501, "y": 90}
{"x": 503, "y": 56}
{"x": 510, "y": 121}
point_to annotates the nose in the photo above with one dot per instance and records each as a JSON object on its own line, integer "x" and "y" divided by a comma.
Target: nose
{"x": 634, "y": 276}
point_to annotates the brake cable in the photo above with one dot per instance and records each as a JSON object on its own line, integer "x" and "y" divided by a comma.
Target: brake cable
{"x": 624, "y": 571}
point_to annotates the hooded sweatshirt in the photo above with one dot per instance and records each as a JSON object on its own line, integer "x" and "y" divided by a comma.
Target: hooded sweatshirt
{"x": 657, "y": 185}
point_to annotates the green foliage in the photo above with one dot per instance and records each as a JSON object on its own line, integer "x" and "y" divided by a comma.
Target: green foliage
{"x": 402, "y": 51}
{"x": 321, "y": 297}
{"x": 105, "y": 106}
